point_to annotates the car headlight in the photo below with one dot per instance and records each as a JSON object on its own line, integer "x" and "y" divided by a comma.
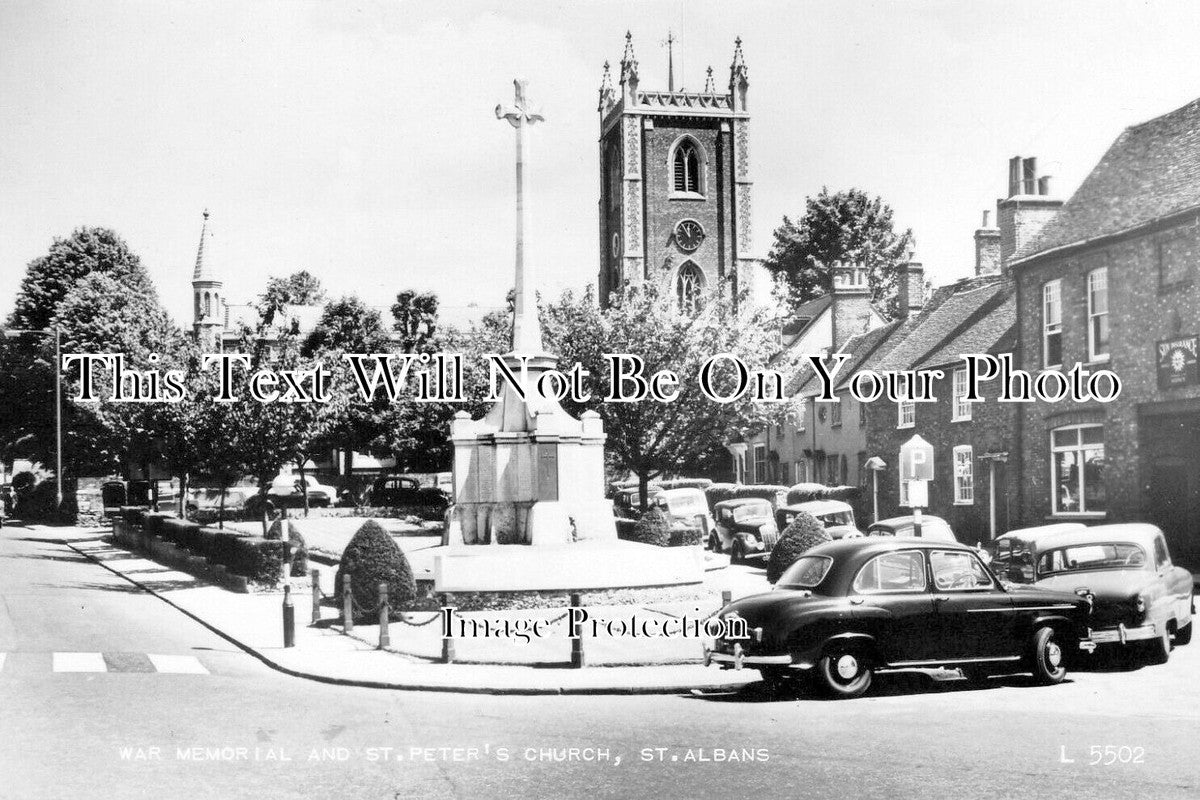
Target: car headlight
{"x": 1139, "y": 603}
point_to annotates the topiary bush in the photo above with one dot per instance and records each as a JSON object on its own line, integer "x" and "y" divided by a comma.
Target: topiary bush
{"x": 806, "y": 493}
{"x": 653, "y": 528}
{"x": 371, "y": 558}
{"x": 803, "y": 534}
{"x": 299, "y": 548}
{"x": 718, "y": 492}
{"x": 685, "y": 537}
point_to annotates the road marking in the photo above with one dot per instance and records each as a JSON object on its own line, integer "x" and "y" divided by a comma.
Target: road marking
{"x": 128, "y": 662}
{"x": 2, "y": 656}
{"x": 79, "y": 662}
{"x": 180, "y": 664}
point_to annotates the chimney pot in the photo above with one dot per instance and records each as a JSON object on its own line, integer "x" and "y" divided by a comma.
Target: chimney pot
{"x": 986, "y": 218}
{"x": 1044, "y": 185}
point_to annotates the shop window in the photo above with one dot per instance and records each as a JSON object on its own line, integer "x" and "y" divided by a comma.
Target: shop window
{"x": 1077, "y": 470}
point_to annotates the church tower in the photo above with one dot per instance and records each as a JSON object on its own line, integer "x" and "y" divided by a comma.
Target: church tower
{"x": 674, "y": 182}
{"x": 208, "y": 315}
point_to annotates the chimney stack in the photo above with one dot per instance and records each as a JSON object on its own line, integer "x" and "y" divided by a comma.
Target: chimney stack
{"x": 1024, "y": 213}
{"x": 987, "y": 248}
{"x": 910, "y": 289}
{"x": 851, "y": 302}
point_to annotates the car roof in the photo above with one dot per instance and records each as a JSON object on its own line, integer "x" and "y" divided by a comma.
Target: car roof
{"x": 904, "y": 522}
{"x": 868, "y": 546}
{"x": 1137, "y": 532}
{"x": 671, "y": 494}
{"x": 819, "y": 506}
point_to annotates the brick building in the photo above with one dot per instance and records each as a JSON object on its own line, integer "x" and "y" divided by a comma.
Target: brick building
{"x": 1110, "y": 281}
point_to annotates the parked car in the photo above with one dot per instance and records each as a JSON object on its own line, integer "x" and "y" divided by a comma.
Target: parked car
{"x": 206, "y": 501}
{"x": 627, "y": 503}
{"x": 1140, "y": 597}
{"x": 933, "y": 528}
{"x": 837, "y": 516}
{"x": 744, "y": 526}
{"x": 849, "y": 608}
{"x": 406, "y": 490}
{"x": 288, "y": 490}
{"x": 686, "y": 507}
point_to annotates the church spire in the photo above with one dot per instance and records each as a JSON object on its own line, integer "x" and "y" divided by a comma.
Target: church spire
{"x": 709, "y": 86}
{"x": 629, "y": 73}
{"x": 203, "y": 271}
{"x": 607, "y": 95}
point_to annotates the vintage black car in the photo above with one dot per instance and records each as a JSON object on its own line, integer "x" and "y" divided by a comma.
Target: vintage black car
{"x": 1141, "y": 598}
{"x": 405, "y": 490}
{"x": 848, "y": 608}
{"x": 744, "y": 528}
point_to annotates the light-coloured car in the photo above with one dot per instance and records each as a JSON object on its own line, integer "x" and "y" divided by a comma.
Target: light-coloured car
{"x": 932, "y": 527}
{"x": 287, "y": 490}
{"x": 1139, "y": 595}
{"x": 837, "y": 516}
{"x": 686, "y": 507}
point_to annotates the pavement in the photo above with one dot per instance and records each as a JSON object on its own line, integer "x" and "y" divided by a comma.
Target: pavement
{"x": 490, "y": 665}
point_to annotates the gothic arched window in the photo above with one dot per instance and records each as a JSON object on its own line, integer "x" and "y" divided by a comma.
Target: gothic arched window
{"x": 689, "y": 287}
{"x": 207, "y": 304}
{"x": 686, "y": 168}
{"x": 197, "y": 306}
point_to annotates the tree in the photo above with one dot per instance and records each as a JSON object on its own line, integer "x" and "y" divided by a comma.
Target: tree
{"x": 415, "y": 318}
{"x": 49, "y": 278}
{"x": 348, "y": 325}
{"x": 651, "y": 438}
{"x": 298, "y": 289}
{"x": 847, "y": 227}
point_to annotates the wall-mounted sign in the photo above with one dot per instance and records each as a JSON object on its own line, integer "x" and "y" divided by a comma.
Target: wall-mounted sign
{"x": 1177, "y": 362}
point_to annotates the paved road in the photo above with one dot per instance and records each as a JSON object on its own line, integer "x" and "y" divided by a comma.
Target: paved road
{"x": 222, "y": 722}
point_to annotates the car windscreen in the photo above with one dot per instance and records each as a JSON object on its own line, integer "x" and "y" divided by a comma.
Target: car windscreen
{"x": 687, "y": 506}
{"x": 837, "y": 518}
{"x": 746, "y": 513}
{"x": 806, "y": 573}
{"x": 1083, "y": 557}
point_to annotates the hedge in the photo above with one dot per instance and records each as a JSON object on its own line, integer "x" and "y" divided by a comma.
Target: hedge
{"x": 252, "y": 557}
{"x": 676, "y": 536}
{"x": 720, "y": 492}
{"x": 653, "y": 528}
{"x": 804, "y": 533}
{"x": 807, "y": 492}
{"x": 373, "y": 557}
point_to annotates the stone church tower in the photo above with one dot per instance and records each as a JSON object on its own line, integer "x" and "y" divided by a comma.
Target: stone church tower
{"x": 208, "y": 314}
{"x": 674, "y": 182}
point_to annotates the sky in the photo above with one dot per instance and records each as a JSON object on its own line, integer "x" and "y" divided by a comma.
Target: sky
{"x": 359, "y": 140}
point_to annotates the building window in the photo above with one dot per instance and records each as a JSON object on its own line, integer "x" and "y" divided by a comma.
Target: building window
{"x": 906, "y": 414}
{"x": 835, "y": 414}
{"x": 964, "y": 475}
{"x": 1077, "y": 469}
{"x": 1097, "y": 284}
{"x": 689, "y": 286}
{"x": 760, "y": 463}
{"x": 801, "y": 414}
{"x": 1174, "y": 267}
{"x": 862, "y": 415}
{"x": 1052, "y": 324}
{"x": 962, "y": 409}
{"x": 686, "y": 168}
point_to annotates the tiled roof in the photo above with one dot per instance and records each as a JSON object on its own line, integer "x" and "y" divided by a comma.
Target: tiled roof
{"x": 953, "y": 308}
{"x": 993, "y": 325}
{"x": 1151, "y": 171}
{"x": 860, "y": 347}
{"x": 804, "y": 314}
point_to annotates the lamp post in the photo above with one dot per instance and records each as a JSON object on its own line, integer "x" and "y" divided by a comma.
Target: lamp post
{"x": 875, "y": 464}
{"x": 56, "y": 332}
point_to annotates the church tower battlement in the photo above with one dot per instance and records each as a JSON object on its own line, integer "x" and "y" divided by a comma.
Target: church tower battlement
{"x": 675, "y": 184}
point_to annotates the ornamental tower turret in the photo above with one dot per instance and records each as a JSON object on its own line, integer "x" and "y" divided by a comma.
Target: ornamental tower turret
{"x": 208, "y": 312}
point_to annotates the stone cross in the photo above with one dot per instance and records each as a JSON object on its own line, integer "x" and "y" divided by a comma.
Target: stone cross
{"x": 527, "y": 332}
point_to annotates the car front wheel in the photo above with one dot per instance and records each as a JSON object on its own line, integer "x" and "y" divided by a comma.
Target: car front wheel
{"x": 1184, "y": 634}
{"x": 737, "y": 554}
{"x": 1047, "y": 657}
{"x": 1159, "y": 648}
{"x": 844, "y": 674}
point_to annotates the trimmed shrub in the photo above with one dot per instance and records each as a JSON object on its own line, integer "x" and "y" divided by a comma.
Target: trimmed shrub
{"x": 653, "y": 528}
{"x": 371, "y": 558}
{"x": 179, "y": 531}
{"x": 684, "y": 483}
{"x": 152, "y": 523}
{"x": 806, "y": 493}
{"x": 718, "y": 492}
{"x": 803, "y": 534}
{"x": 685, "y": 537}
{"x": 299, "y": 548}
{"x": 625, "y": 528}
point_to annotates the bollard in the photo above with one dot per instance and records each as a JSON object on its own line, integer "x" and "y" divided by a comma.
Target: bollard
{"x": 384, "y": 639}
{"x": 448, "y": 638}
{"x": 726, "y": 598}
{"x": 316, "y": 596}
{"x": 289, "y": 617}
{"x": 577, "y": 659}
{"x": 347, "y": 605}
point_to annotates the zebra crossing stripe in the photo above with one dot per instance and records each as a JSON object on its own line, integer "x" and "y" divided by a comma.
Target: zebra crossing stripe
{"x": 177, "y": 664}
{"x": 79, "y": 662}
{"x": 2, "y": 657}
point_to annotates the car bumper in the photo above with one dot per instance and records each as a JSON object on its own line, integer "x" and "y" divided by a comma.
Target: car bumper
{"x": 738, "y": 659}
{"x": 1124, "y": 635}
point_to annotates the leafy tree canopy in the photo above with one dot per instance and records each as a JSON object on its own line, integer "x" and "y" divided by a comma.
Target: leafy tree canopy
{"x": 301, "y": 288}
{"x": 847, "y": 227}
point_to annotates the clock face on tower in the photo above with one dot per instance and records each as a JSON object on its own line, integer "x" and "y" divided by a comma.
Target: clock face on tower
{"x": 689, "y": 235}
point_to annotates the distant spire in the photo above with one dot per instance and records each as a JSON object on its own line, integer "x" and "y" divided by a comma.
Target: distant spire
{"x": 738, "y": 78}
{"x": 709, "y": 86}
{"x": 607, "y": 94}
{"x": 738, "y": 67}
{"x": 204, "y": 270}
{"x": 670, "y": 60}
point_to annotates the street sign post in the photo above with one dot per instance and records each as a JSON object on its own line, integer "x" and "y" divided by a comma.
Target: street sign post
{"x": 916, "y": 470}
